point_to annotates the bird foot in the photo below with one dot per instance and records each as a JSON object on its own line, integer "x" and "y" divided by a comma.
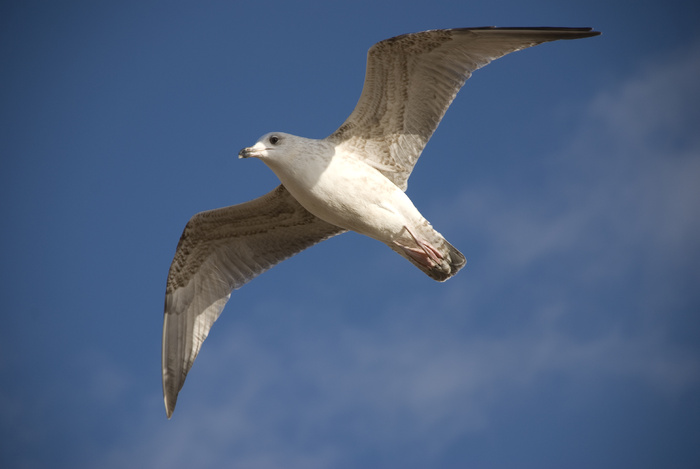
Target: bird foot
{"x": 425, "y": 254}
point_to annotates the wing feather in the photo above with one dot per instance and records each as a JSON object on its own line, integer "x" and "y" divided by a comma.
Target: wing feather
{"x": 412, "y": 79}
{"x": 219, "y": 251}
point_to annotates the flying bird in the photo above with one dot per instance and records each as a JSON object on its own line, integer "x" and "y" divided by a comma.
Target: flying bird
{"x": 354, "y": 179}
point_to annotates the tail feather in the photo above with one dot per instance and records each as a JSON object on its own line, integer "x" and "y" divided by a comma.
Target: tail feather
{"x": 439, "y": 261}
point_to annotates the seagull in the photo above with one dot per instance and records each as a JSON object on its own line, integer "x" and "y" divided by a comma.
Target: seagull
{"x": 353, "y": 180}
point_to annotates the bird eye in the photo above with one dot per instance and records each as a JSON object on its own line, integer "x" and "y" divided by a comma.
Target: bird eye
{"x": 274, "y": 139}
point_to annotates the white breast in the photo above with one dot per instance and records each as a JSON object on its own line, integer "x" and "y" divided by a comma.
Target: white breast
{"x": 353, "y": 195}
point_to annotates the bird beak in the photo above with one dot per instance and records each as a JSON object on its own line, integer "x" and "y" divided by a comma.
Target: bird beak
{"x": 246, "y": 153}
{"x": 256, "y": 151}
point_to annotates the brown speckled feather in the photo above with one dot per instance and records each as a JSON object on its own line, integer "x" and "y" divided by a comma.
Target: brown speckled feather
{"x": 412, "y": 79}
{"x": 219, "y": 251}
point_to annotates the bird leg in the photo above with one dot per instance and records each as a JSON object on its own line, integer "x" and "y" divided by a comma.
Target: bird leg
{"x": 425, "y": 254}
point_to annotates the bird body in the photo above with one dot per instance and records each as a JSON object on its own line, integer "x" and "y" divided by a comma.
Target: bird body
{"x": 354, "y": 179}
{"x": 341, "y": 188}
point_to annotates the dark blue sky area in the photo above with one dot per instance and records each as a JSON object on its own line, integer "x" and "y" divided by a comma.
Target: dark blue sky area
{"x": 567, "y": 174}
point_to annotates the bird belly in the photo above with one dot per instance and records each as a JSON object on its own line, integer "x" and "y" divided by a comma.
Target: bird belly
{"x": 353, "y": 195}
{"x": 357, "y": 197}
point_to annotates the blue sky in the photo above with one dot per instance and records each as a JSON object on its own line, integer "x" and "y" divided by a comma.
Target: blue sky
{"x": 567, "y": 174}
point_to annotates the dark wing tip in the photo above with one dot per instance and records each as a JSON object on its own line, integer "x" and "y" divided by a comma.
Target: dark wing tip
{"x": 567, "y": 33}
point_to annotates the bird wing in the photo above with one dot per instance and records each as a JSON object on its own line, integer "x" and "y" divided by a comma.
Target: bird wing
{"x": 221, "y": 250}
{"x": 411, "y": 81}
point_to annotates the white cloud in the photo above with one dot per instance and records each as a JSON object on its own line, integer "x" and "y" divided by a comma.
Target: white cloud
{"x": 626, "y": 217}
{"x": 627, "y": 182}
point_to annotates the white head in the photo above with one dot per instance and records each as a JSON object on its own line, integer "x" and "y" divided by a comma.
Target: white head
{"x": 280, "y": 152}
{"x": 270, "y": 146}
{"x": 286, "y": 153}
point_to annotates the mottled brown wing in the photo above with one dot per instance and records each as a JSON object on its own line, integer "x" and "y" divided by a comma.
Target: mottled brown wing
{"x": 219, "y": 251}
{"x": 411, "y": 81}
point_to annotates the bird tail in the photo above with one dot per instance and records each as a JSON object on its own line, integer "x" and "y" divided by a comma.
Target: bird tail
{"x": 438, "y": 259}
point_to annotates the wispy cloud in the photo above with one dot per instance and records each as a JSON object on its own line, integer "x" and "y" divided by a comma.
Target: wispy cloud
{"x": 625, "y": 217}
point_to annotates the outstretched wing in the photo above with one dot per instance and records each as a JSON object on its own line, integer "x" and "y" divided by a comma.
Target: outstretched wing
{"x": 411, "y": 81}
{"x": 219, "y": 251}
